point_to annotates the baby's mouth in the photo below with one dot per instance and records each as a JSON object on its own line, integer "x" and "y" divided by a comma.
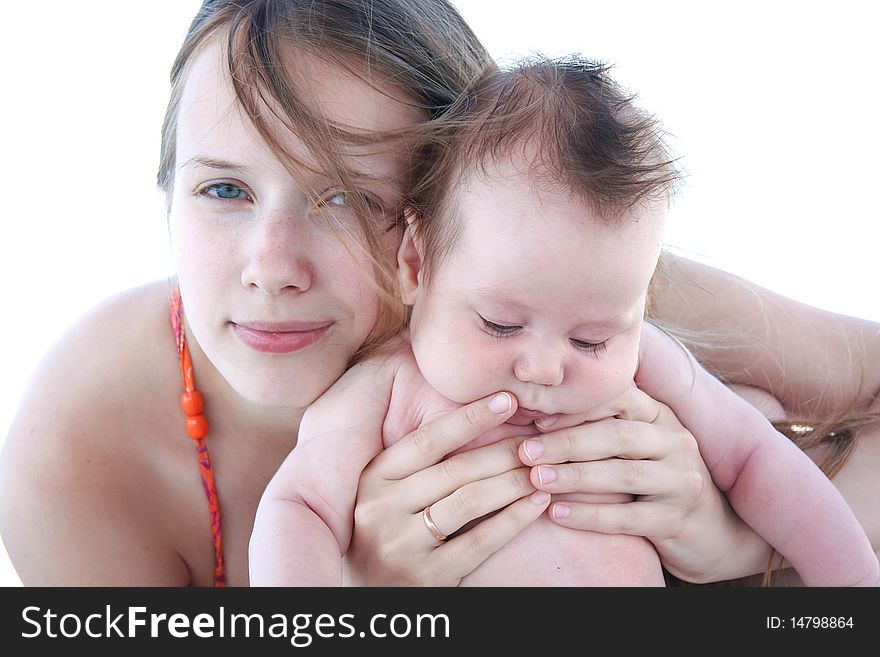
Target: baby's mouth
{"x": 524, "y": 416}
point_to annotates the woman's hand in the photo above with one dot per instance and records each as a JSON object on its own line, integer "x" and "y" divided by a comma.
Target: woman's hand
{"x": 392, "y": 543}
{"x": 676, "y": 505}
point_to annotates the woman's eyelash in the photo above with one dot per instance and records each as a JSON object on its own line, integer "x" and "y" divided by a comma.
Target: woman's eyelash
{"x": 224, "y": 191}
{"x": 229, "y": 191}
{"x": 342, "y": 198}
{"x": 590, "y": 347}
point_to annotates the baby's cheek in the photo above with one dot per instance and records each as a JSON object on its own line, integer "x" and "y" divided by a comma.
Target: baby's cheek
{"x": 456, "y": 371}
{"x": 594, "y": 391}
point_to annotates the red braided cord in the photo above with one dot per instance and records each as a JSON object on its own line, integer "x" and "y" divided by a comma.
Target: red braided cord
{"x": 205, "y": 469}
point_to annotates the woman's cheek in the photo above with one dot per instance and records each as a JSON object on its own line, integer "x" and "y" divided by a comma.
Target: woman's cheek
{"x": 200, "y": 244}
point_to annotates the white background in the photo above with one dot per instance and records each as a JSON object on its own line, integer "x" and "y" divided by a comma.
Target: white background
{"x": 773, "y": 105}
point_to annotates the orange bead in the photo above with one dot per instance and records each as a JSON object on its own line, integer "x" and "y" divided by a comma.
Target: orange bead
{"x": 192, "y": 403}
{"x": 197, "y": 426}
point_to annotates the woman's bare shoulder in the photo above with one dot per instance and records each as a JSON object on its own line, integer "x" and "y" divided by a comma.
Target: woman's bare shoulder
{"x": 74, "y": 465}
{"x": 106, "y": 361}
{"x": 120, "y": 322}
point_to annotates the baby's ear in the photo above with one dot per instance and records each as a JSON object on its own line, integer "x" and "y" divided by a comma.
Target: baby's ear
{"x": 409, "y": 261}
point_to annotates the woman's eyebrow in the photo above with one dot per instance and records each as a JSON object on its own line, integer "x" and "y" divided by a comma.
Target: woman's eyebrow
{"x": 369, "y": 174}
{"x": 212, "y": 163}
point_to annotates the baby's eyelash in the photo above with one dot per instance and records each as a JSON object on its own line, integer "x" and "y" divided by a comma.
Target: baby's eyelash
{"x": 499, "y": 330}
{"x": 508, "y": 331}
{"x": 595, "y": 348}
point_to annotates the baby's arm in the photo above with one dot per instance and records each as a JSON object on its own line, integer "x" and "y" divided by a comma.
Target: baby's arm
{"x": 770, "y": 483}
{"x": 304, "y": 521}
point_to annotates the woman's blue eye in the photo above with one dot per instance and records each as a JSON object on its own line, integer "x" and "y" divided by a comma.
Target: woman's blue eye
{"x": 339, "y": 198}
{"x": 590, "y": 347}
{"x": 225, "y": 191}
{"x": 351, "y": 199}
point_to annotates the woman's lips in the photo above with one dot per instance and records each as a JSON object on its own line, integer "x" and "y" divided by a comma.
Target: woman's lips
{"x": 280, "y": 337}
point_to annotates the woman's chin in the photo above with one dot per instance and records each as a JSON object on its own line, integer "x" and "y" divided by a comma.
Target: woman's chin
{"x": 291, "y": 393}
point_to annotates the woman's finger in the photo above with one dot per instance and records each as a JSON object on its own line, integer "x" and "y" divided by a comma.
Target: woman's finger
{"x": 598, "y": 440}
{"x": 479, "y": 498}
{"x": 469, "y": 549}
{"x": 454, "y": 472}
{"x": 428, "y": 444}
{"x": 637, "y": 518}
{"x": 634, "y": 477}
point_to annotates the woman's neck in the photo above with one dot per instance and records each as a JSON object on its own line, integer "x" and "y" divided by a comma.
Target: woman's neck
{"x": 259, "y": 424}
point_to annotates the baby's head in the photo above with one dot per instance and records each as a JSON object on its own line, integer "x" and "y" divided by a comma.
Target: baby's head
{"x": 537, "y": 229}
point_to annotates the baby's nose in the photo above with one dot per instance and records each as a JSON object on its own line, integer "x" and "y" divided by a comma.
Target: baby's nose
{"x": 543, "y": 367}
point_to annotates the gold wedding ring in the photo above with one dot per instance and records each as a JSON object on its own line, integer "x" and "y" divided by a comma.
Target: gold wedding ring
{"x": 429, "y": 523}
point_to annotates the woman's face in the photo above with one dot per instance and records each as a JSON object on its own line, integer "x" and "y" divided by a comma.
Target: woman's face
{"x": 277, "y": 297}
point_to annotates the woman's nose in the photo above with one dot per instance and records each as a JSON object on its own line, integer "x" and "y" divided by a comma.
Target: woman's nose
{"x": 540, "y": 364}
{"x": 278, "y": 256}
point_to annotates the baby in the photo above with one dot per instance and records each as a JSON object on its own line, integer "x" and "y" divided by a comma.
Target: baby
{"x": 537, "y": 226}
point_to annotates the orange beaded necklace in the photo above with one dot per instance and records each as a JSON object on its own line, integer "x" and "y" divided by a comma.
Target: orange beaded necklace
{"x": 193, "y": 406}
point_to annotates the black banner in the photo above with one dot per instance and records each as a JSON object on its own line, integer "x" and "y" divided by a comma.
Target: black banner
{"x": 400, "y": 621}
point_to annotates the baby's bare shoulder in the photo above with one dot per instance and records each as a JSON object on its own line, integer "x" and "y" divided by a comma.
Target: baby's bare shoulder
{"x": 390, "y": 362}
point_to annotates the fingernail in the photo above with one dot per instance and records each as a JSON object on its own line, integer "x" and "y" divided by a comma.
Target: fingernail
{"x": 560, "y": 511}
{"x": 546, "y": 475}
{"x": 533, "y": 449}
{"x": 547, "y": 422}
{"x": 539, "y": 498}
{"x": 500, "y": 403}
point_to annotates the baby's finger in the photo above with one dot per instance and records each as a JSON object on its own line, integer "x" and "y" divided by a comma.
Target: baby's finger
{"x": 633, "y": 477}
{"x": 477, "y": 499}
{"x": 428, "y": 444}
{"x": 598, "y": 440}
{"x": 468, "y": 550}
{"x": 633, "y": 518}
{"x": 636, "y": 405}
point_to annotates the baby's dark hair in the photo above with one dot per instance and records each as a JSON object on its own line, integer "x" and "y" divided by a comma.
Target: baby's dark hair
{"x": 566, "y": 121}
